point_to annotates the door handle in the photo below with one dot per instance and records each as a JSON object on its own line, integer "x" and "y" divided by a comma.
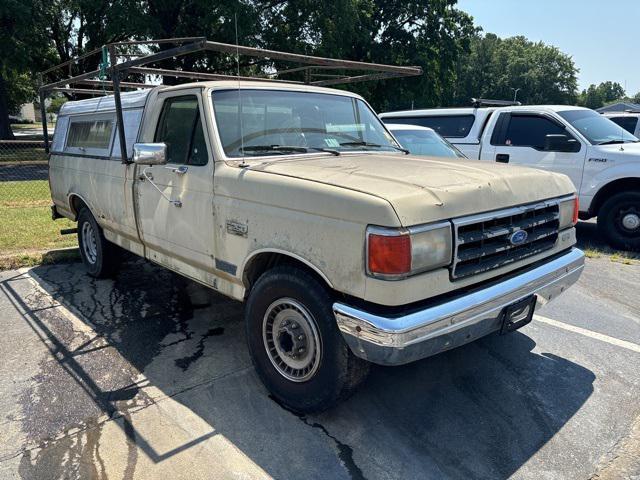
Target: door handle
{"x": 181, "y": 170}
{"x": 502, "y": 158}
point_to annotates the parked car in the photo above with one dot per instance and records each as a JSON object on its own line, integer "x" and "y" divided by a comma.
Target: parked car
{"x": 630, "y": 121}
{"x": 423, "y": 141}
{"x": 297, "y": 200}
{"x": 602, "y": 159}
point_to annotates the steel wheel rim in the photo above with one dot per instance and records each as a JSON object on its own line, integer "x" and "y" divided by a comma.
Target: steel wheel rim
{"x": 89, "y": 243}
{"x": 629, "y": 220}
{"x": 288, "y": 327}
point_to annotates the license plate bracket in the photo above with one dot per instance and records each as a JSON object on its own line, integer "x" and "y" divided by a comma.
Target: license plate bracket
{"x": 518, "y": 314}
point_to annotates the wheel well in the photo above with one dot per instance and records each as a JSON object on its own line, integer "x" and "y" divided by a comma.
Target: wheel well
{"x": 76, "y": 204}
{"x": 263, "y": 262}
{"x": 610, "y": 189}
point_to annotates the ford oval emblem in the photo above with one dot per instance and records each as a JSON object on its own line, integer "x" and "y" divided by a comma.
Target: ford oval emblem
{"x": 518, "y": 237}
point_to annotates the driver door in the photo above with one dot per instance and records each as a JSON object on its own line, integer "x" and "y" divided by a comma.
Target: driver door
{"x": 523, "y": 139}
{"x": 175, "y": 201}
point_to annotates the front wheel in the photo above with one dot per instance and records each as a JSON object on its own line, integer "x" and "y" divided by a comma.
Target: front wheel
{"x": 619, "y": 221}
{"x": 100, "y": 257}
{"x": 294, "y": 342}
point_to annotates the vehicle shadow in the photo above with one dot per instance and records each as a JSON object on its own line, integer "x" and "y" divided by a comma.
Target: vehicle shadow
{"x": 480, "y": 411}
{"x": 589, "y": 239}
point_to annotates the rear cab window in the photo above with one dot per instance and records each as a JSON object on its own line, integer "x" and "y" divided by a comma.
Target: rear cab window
{"x": 628, "y": 123}
{"x": 452, "y": 126}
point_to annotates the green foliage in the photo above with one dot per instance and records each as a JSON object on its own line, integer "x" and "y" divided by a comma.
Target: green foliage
{"x": 597, "y": 96}
{"x": 495, "y": 68}
{"x": 458, "y": 61}
{"x": 429, "y": 33}
{"x": 56, "y": 103}
{"x": 20, "y": 89}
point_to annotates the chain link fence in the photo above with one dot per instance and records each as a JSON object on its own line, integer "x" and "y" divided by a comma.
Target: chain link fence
{"x": 26, "y": 227}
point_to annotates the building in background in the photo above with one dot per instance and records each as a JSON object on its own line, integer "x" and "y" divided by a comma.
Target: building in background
{"x": 620, "y": 107}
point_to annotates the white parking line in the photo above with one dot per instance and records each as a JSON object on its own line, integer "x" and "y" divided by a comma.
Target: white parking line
{"x": 588, "y": 333}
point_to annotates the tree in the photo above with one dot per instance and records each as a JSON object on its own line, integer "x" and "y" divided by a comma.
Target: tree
{"x": 23, "y": 50}
{"x": 599, "y": 95}
{"x": 494, "y": 67}
{"x": 56, "y": 104}
{"x": 428, "y": 33}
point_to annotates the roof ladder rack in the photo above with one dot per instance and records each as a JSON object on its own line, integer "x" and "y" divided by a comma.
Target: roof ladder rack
{"x": 118, "y": 64}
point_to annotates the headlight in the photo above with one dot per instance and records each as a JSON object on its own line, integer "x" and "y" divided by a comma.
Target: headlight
{"x": 568, "y": 212}
{"x": 396, "y": 253}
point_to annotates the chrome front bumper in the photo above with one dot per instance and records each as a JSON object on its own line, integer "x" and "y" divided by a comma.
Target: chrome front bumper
{"x": 402, "y": 339}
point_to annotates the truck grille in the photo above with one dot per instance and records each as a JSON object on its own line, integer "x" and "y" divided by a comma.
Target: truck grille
{"x": 483, "y": 241}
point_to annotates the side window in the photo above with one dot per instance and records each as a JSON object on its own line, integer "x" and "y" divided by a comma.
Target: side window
{"x": 180, "y": 128}
{"x": 90, "y": 135}
{"x": 452, "y": 126}
{"x": 530, "y": 131}
{"x": 628, "y": 123}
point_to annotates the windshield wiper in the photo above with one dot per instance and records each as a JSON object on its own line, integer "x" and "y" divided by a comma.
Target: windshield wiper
{"x": 611, "y": 142}
{"x": 374, "y": 145}
{"x": 285, "y": 148}
{"x": 272, "y": 148}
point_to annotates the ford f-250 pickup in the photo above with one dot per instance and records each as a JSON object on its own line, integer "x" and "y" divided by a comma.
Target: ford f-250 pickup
{"x": 298, "y": 200}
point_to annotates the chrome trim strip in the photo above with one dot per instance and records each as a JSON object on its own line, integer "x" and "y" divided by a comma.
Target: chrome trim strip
{"x": 394, "y": 341}
{"x": 492, "y": 215}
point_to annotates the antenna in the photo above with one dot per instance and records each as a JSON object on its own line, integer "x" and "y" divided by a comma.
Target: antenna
{"x": 243, "y": 164}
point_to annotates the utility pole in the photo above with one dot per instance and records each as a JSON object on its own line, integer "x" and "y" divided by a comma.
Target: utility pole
{"x": 515, "y": 94}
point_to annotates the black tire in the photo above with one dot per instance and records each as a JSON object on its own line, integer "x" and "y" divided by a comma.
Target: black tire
{"x": 611, "y": 223}
{"x": 338, "y": 372}
{"x": 100, "y": 257}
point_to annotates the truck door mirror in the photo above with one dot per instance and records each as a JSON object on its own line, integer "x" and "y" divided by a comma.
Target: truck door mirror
{"x": 559, "y": 142}
{"x": 150, "y": 153}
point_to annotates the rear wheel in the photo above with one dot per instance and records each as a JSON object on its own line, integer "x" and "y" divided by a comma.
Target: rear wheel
{"x": 100, "y": 257}
{"x": 619, "y": 221}
{"x": 296, "y": 347}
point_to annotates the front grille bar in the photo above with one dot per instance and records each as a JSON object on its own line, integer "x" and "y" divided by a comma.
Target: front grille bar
{"x": 482, "y": 242}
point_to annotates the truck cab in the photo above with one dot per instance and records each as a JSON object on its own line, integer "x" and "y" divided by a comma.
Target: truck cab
{"x": 601, "y": 158}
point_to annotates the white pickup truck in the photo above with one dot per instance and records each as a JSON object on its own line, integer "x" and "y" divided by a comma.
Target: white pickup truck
{"x": 601, "y": 158}
{"x": 297, "y": 200}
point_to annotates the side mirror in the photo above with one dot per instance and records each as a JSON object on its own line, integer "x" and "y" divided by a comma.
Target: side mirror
{"x": 560, "y": 142}
{"x": 150, "y": 153}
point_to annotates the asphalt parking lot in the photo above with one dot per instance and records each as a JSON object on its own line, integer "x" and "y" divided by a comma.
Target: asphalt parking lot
{"x": 147, "y": 376}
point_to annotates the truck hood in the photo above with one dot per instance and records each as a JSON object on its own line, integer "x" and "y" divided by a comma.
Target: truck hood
{"x": 423, "y": 189}
{"x": 630, "y": 151}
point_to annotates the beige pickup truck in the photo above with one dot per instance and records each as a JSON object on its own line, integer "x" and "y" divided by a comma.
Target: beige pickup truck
{"x": 298, "y": 201}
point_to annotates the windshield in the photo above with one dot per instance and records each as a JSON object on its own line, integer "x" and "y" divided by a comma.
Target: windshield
{"x": 426, "y": 142}
{"x": 596, "y": 128}
{"x": 277, "y": 122}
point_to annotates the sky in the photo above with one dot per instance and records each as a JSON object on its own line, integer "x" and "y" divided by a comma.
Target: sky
{"x": 603, "y": 37}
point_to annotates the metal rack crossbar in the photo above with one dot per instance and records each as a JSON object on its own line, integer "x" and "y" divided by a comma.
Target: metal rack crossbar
{"x": 117, "y": 65}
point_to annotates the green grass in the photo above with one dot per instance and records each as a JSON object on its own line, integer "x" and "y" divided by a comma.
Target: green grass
{"x": 31, "y": 126}
{"x": 26, "y": 222}
{"x": 603, "y": 251}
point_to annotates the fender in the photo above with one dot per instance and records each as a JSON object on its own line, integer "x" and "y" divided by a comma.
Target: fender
{"x": 285, "y": 253}
{"x": 72, "y": 209}
{"x": 591, "y": 186}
